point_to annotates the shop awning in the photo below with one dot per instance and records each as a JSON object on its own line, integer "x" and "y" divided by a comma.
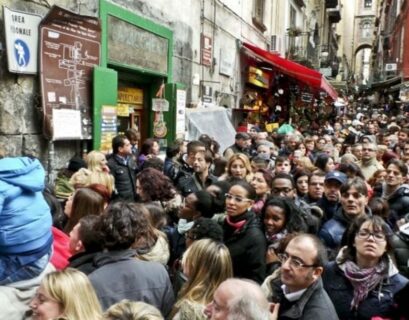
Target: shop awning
{"x": 308, "y": 76}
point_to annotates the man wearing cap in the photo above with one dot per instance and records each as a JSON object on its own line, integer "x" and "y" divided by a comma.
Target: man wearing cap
{"x": 241, "y": 145}
{"x": 330, "y": 199}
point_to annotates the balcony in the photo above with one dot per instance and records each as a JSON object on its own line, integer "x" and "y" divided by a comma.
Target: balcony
{"x": 334, "y": 15}
{"x": 331, "y": 3}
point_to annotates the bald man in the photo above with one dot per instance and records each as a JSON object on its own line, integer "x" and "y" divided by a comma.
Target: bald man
{"x": 299, "y": 289}
{"x": 237, "y": 299}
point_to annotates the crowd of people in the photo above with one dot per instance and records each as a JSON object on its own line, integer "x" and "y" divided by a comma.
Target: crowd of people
{"x": 302, "y": 225}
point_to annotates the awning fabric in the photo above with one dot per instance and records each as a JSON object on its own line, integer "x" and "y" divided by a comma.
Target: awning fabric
{"x": 295, "y": 70}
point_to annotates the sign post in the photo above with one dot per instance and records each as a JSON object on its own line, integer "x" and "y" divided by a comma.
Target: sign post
{"x": 21, "y": 40}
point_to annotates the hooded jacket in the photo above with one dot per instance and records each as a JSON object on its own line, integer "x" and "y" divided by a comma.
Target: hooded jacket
{"x": 25, "y": 218}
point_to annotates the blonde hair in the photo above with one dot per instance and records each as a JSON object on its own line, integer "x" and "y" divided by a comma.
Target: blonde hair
{"x": 104, "y": 178}
{"x": 131, "y": 310}
{"x": 306, "y": 164}
{"x": 246, "y": 161}
{"x": 208, "y": 263}
{"x": 94, "y": 159}
{"x": 74, "y": 292}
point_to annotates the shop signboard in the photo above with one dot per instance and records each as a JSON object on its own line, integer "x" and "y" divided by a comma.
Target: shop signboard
{"x": 227, "y": 61}
{"x": 21, "y": 30}
{"x": 133, "y": 46}
{"x": 130, "y": 95}
{"x": 69, "y": 51}
{"x": 122, "y": 110}
{"x": 160, "y": 105}
{"x": 109, "y": 127}
{"x": 206, "y": 48}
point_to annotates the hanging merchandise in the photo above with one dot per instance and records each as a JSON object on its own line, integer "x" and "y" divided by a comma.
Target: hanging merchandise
{"x": 160, "y": 105}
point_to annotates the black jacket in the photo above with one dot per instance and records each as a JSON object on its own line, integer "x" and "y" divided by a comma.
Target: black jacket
{"x": 83, "y": 262}
{"x": 247, "y": 248}
{"x": 191, "y": 183}
{"x": 124, "y": 177}
{"x": 314, "y": 304}
{"x": 400, "y": 244}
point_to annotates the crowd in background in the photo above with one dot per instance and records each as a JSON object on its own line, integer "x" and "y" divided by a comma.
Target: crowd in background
{"x": 306, "y": 224}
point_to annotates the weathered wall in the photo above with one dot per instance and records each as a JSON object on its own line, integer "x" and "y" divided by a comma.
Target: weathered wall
{"x": 226, "y": 21}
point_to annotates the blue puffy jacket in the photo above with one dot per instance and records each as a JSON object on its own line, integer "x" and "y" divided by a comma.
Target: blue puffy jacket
{"x": 25, "y": 218}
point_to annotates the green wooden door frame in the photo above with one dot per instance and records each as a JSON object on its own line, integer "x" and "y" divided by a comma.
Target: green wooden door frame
{"x": 150, "y": 77}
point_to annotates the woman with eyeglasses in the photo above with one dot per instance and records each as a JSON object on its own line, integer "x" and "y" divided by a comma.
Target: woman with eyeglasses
{"x": 66, "y": 294}
{"x": 363, "y": 280}
{"x": 242, "y": 233}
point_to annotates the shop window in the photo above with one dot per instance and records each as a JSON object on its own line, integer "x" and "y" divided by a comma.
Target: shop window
{"x": 367, "y": 4}
{"x": 258, "y": 14}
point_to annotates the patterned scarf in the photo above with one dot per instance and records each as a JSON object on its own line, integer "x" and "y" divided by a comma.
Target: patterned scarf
{"x": 273, "y": 240}
{"x": 235, "y": 225}
{"x": 363, "y": 280}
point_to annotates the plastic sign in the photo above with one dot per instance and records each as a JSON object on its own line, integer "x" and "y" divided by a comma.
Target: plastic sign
{"x": 161, "y": 105}
{"x": 21, "y": 40}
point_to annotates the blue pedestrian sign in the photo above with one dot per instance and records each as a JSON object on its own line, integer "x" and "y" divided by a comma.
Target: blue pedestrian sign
{"x": 21, "y": 40}
{"x": 21, "y": 53}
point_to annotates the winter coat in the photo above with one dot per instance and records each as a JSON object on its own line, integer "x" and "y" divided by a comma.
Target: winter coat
{"x": 191, "y": 183}
{"x": 61, "y": 249}
{"x": 379, "y": 301}
{"x": 314, "y": 304}
{"x": 125, "y": 175}
{"x": 328, "y": 207}
{"x": 398, "y": 204}
{"x": 120, "y": 276}
{"x": 159, "y": 252}
{"x": 25, "y": 217}
{"x": 368, "y": 168}
{"x": 400, "y": 245}
{"x": 84, "y": 262}
{"x": 189, "y": 310}
{"x": 332, "y": 231}
{"x": 247, "y": 248}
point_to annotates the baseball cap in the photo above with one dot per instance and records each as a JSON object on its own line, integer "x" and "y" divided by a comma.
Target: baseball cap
{"x": 336, "y": 175}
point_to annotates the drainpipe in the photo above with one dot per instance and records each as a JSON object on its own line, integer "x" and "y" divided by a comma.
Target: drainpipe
{"x": 50, "y": 167}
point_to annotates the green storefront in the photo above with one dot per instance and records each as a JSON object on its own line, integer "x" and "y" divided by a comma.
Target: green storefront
{"x": 136, "y": 62}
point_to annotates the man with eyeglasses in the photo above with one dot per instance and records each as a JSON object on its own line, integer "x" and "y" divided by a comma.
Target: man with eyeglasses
{"x": 299, "y": 290}
{"x": 368, "y": 163}
{"x": 283, "y": 185}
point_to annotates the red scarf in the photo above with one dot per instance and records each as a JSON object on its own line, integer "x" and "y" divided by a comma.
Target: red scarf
{"x": 237, "y": 226}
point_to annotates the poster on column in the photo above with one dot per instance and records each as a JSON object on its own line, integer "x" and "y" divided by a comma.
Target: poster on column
{"x": 69, "y": 50}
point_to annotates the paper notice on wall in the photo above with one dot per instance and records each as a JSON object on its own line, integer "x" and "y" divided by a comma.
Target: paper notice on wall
{"x": 180, "y": 112}
{"x": 66, "y": 124}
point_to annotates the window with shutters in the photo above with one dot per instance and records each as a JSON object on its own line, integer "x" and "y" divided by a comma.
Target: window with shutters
{"x": 258, "y": 15}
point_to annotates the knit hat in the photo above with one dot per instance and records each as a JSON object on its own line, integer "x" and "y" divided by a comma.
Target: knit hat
{"x": 76, "y": 163}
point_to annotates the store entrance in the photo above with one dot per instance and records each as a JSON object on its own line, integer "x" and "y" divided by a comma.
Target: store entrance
{"x": 132, "y": 111}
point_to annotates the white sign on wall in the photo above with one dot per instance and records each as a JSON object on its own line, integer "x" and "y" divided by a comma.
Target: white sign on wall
{"x": 180, "y": 112}
{"x": 227, "y": 61}
{"x": 21, "y": 40}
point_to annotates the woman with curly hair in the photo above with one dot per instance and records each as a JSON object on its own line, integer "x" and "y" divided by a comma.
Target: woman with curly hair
{"x": 206, "y": 264}
{"x": 153, "y": 186}
{"x": 280, "y": 217}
